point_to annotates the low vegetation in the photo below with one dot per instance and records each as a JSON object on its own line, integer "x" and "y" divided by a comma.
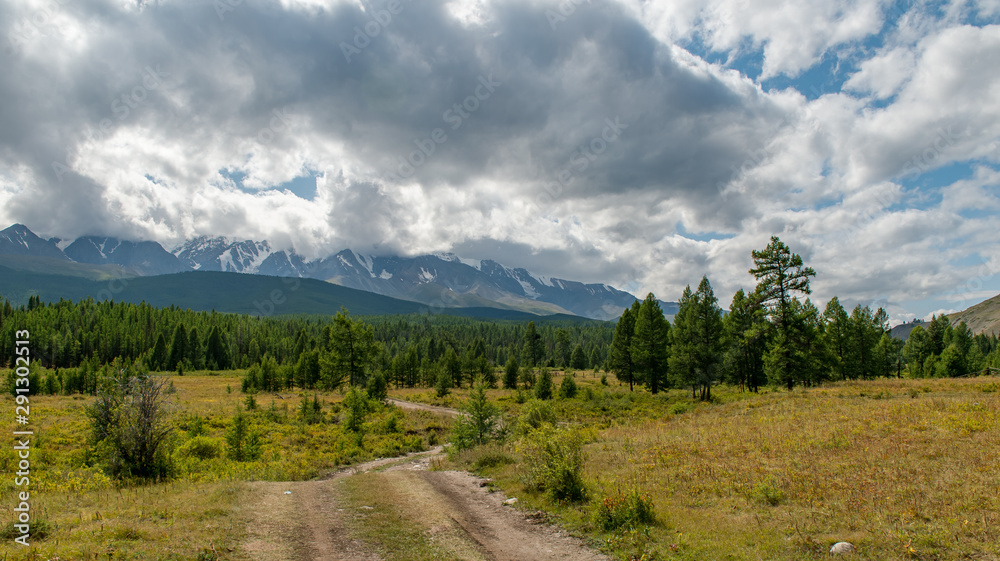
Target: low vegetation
{"x": 903, "y": 469}
{"x": 83, "y": 502}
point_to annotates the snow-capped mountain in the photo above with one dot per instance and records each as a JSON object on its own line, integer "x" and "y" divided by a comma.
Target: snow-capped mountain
{"x": 442, "y": 280}
{"x": 145, "y": 258}
{"x": 222, "y": 254}
{"x": 19, "y": 240}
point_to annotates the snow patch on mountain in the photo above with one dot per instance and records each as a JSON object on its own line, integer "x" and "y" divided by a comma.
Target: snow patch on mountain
{"x": 426, "y": 276}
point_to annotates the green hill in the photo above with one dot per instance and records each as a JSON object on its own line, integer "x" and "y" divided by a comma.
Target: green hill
{"x": 230, "y": 292}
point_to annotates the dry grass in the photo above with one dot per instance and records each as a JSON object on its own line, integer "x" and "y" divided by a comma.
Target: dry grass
{"x": 90, "y": 515}
{"x": 903, "y": 469}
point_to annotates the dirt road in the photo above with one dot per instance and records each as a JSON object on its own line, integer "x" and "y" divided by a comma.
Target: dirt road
{"x": 423, "y": 407}
{"x": 308, "y": 521}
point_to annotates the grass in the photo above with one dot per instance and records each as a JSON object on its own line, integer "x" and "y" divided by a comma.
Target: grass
{"x": 201, "y": 507}
{"x": 904, "y": 469}
{"x": 394, "y": 510}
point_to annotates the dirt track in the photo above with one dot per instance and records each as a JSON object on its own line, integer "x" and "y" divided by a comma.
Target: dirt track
{"x": 309, "y": 523}
{"x": 423, "y": 407}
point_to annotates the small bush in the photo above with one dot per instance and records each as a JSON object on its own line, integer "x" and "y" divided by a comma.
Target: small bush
{"x": 679, "y": 408}
{"x": 543, "y": 389}
{"x": 479, "y": 422}
{"x": 624, "y": 511}
{"x": 534, "y": 415}
{"x": 567, "y": 389}
{"x": 552, "y": 462}
{"x": 243, "y": 439}
{"x": 767, "y": 492}
{"x": 490, "y": 455}
{"x": 201, "y": 447}
{"x": 443, "y": 385}
{"x": 378, "y": 389}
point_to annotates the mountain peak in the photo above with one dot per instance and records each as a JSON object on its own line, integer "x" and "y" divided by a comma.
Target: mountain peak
{"x": 20, "y": 240}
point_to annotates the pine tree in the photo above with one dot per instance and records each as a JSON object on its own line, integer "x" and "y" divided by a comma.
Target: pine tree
{"x": 620, "y": 361}
{"x": 195, "y": 353}
{"x": 780, "y": 274}
{"x": 533, "y": 349}
{"x": 178, "y": 347}
{"x": 697, "y": 339}
{"x": 746, "y": 332}
{"x": 578, "y": 360}
{"x": 562, "y": 348}
{"x": 353, "y": 350}
{"x": 510, "y": 373}
{"x": 158, "y": 358}
{"x": 649, "y": 343}
{"x": 543, "y": 389}
{"x": 216, "y": 351}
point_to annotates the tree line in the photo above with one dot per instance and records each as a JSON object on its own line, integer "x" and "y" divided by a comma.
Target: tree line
{"x": 771, "y": 336}
{"x": 77, "y": 340}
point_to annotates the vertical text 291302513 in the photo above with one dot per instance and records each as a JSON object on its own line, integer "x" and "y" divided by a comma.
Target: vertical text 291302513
{"x": 22, "y": 438}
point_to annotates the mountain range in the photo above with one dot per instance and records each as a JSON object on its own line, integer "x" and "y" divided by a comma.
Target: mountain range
{"x": 438, "y": 281}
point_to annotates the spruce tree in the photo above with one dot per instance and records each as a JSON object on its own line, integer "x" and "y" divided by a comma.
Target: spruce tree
{"x": 649, "y": 344}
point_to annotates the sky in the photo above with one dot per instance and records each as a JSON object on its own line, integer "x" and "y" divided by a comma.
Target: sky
{"x": 642, "y": 144}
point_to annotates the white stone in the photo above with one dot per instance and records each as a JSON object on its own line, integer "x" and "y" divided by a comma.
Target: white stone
{"x": 841, "y": 548}
{"x": 511, "y": 501}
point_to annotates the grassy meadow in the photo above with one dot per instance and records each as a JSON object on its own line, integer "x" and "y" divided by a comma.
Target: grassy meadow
{"x": 79, "y": 512}
{"x": 903, "y": 469}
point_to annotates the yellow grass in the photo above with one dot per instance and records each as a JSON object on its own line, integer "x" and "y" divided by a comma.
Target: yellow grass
{"x": 903, "y": 469}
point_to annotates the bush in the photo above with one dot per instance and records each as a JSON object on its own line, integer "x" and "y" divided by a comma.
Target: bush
{"x": 443, "y": 385}
{"x": 201, "y": 447}
{"x": 567, "y": 389}
{"x": 552, "y": 462}
{"x": 356, "y": 408}
{"x": 543, "y": 390}
{"x": 129, "y": 424}
{"x": 534, "y": 415}
{"x": 243, "y": 439}
{"x": 479, "y": 422}
{"x": 624, "y": 511}
{"x": 378, "y": 389}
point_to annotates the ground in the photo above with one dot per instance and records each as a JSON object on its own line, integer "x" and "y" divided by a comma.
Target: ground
{"x": 456, "y": 514}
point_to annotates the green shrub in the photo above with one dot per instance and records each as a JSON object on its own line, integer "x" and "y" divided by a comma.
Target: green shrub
{"x": 624, "y": 511}
{"x": 534, "y": 415}
{"x": 378, "y": 389}
{"x": 201, "y": 447}
{"x": 767, "y": 492}
{"x": 567, "y": 389}
{"x": 443, "y": 385}
{"x": 552, "y": 462}
{"x": 479, "y": 422}
{"x": 243, "y": 439}
{"x": 543, "y": 389}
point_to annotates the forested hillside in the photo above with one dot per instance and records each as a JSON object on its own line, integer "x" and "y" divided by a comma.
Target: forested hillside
{"x": 88, "y": 335}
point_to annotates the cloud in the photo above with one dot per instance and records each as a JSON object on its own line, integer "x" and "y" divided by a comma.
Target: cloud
{"x": 596, "y": 145}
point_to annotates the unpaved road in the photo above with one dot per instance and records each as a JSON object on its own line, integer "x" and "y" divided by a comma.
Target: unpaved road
{"x": 309, "y": 521}
{"x": 423, "y": 407}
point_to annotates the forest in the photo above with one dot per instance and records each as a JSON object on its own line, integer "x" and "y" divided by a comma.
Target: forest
{"x": 768, "y": 336}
